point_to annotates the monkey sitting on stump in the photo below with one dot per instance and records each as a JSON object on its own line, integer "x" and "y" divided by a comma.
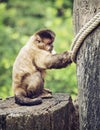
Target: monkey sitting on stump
{"x": 30, "y": 66}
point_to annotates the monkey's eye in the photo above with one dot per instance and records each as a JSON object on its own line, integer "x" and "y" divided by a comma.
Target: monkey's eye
{"x": 38, "y": 40}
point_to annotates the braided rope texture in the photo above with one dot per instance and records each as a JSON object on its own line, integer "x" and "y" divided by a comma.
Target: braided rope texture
{"x": 84, "y": 31}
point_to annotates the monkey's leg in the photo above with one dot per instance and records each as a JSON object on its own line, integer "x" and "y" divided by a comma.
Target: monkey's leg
{"x": 35, "y": 86}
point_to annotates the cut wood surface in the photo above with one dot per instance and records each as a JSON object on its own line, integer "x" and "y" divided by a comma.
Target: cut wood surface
{"x": 53, "y": 114}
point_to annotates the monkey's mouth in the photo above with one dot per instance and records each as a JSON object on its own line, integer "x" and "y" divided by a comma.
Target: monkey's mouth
{"x": 48, "y": 48}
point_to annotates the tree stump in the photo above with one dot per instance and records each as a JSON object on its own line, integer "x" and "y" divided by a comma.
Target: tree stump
{"x": 53, "y": 114}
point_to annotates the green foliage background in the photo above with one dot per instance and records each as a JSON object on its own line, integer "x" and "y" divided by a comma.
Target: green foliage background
{"x": 19, "y": 19}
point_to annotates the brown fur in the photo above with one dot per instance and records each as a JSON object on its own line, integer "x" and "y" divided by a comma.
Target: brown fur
{"x": 30, "y": 65}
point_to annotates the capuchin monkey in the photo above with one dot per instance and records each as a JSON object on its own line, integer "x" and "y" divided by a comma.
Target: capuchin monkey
{"x": 30, "y": 66}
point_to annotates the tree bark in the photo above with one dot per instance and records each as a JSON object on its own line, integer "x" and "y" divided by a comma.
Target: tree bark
{"x": 57, "y": 113}
{"x": 88, "y": 66}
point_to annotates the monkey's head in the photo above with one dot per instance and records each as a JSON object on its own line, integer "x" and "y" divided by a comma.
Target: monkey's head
{"x": 44, "y": 39}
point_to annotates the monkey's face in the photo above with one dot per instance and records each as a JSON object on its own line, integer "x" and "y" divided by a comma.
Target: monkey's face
{"x": 44, "y": 43}
{"x": 44, "y": 39}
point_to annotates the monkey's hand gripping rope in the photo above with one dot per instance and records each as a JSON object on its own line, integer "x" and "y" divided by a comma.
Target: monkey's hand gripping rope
{"x": 82, "y": 34}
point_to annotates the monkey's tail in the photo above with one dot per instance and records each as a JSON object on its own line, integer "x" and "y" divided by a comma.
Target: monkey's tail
{"x": 25, "y": 101}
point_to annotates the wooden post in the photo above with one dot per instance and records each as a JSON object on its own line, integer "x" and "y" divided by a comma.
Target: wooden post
{"x": 88, "y": 66}
{"x": 57, "y": 113}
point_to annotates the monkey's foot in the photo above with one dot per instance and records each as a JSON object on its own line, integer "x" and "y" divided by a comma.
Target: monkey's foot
{"x": 46, "y": 90}
{"x": 46, "y": 93}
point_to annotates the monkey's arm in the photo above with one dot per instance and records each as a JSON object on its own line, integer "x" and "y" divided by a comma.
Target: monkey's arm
{"x": 59, "y": 60}
{"x": 56, "y": 61}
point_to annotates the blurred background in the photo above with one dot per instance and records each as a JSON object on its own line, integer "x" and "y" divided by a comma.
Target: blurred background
{"x": 19, "y": 19}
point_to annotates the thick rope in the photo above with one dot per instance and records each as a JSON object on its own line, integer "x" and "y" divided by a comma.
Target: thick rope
{"x": 86, "y": 29}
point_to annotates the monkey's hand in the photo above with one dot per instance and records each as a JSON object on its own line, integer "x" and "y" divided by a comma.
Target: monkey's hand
{"x": 70, "y": 53}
